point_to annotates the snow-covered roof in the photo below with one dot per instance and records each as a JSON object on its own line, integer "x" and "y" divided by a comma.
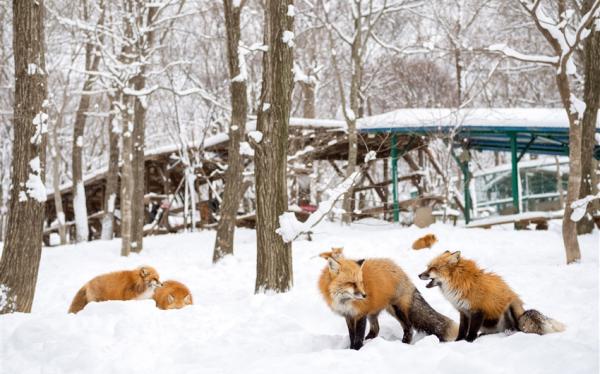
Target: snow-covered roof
{"x": 443, "y": 119}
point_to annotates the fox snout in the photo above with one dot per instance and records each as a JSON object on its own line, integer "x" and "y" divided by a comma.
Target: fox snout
{"x": 360, "y": 295}
{"x": 424, "y": 275}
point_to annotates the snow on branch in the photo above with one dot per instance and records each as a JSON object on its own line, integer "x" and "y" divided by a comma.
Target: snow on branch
{"x": 580, "y": 207}
{"x": 509, "y": 52}
{"x": 290, "y": 228}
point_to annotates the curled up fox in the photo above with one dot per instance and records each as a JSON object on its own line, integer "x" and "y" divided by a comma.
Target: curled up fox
{"x": 360, "y": 290}
{"x": 485, "y": 302}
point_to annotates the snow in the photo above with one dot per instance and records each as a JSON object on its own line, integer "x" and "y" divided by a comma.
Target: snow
{"x": 290, "y": 228}
{"x": 577, "y": 106}
{"x": 40, "y": 121}
{"x": 266, "y": 107}
{"x": 445, "y": 118}
{"x": 231, "y": 330}
{"x": 79, "y": 206}
{"x": 580, "y": 207}
{"x": 35, "y": 186}
{"x": 288, "y": 38}
{"x": 32, "y": 69}
{"x": 503, "y": 48}
{"x": 79, "y": 141}
{"x": 246, "y": 150}
{"x": 256, "y": 136}
{"x": 291, "y": 11}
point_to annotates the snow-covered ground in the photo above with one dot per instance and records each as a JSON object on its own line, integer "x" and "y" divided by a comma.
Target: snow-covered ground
{"x": 231, "y": 330}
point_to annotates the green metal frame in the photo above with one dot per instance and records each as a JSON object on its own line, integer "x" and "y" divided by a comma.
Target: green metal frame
{"x": 514, "y": 160}
{"x": 394, "y": 157}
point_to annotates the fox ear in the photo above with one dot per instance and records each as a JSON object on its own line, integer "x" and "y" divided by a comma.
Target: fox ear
{"x": 334, "y": 266}
{"x": 170, "y": 298}
{"x": 188, "y": 300}
{"x": 360, "y": 262}
{"x": 454, "y": 257}
{"x": 143, "y": 272}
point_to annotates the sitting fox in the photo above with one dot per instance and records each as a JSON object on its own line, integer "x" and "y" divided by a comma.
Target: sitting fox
{"x": 360, "y": 290}
{"x": 484, "y": 300}
{"x": 424, "y": 242}
{"x": 119, "y": 285}
{"x": 172, "y": 295}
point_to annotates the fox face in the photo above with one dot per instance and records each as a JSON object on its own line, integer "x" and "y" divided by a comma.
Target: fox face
{"x": 346, "y": 281}
{"x": 439, "y": 268}
{"x": 174, "y": 302}
{"x": 150, "y": 277}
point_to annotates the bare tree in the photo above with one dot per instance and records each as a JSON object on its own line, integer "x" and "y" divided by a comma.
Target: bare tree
{"x": 92, "y": 60}
{"x": 23, "y": 246}
{"x": 232, "y": 193}
{"x": 274, "y": 256}
{"x": 591, "y": 97}
{"x": 112, "y": 177}
{"x": 564, "y": 37}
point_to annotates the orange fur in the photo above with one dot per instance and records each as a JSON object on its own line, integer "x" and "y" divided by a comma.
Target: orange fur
{"x": 484, "y": 291}
{"x": 172, "y": 295}
{"x": 380, "y": 279}
{"x": 118, "y": 285}
{"x": 425, "y": 242}
{"x": 360, "y": 290}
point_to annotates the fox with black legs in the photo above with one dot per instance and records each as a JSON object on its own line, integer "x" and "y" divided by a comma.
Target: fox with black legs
{"x": 360, "y": 290}
{"x": 485, "y": 302}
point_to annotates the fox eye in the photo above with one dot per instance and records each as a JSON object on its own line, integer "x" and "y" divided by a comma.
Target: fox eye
{"x": 351, "y": 285}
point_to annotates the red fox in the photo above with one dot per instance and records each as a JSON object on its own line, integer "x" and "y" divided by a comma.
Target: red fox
{"x": 424, "y": 242}
{"x": 119, "y": 285}
{"x": 484, "y": 300}
{"x": 172, "y": 295}
{"x": 360, "y": 290}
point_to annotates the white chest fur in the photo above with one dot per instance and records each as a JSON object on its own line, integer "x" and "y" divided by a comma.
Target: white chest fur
{"x": 343, "y": 306}
{"x": 146, "y": 294}
{"x": 455, "y": 297}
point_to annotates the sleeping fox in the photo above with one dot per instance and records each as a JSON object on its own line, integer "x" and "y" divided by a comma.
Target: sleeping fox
{"x": 360, "y": 290}
{"x": 119, "y": 285}
{"x": 484, "y": 300}
{"x": 424, "y": 242}
{"x": 172, "y": 295}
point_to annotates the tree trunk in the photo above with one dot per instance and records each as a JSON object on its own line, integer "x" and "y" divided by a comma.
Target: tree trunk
{"x": 127, "y": 184}
{"x": 23, "y": 246}
{"x": 348, "y": 202}
{"x": 569, "y": 228}
{"x": 139, "y": 185}
{"x": 56, "y": 160}
{"x": 591, "y": 98}
{"x": 274, "y": 256}
{"x": 232, "y": 193}
{"x": 112, "y": 178}
{"x": 79, "y": 199}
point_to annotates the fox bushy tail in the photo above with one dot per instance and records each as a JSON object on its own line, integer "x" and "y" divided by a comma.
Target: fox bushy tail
{"x": 427, "y": 319}
{"x": 79, "y": 302}
{"x": 533, "y": 322}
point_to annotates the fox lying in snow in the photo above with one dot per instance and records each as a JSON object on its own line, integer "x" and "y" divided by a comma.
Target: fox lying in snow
{"x": 424, "y": 242}
{"x": 360, "y": 290}
{"x": 484, "y": 300}
{"x": 119, "y": 285}
{"x": 172, "y": 295}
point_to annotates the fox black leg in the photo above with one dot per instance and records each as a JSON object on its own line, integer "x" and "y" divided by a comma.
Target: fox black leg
{"x": 463, "y": 327}
{"x": 351, "y": 323}
{"x": 374, "y": 326}
{"x": 474, "y": 326}
{"x": 359, "y": 333}
{"x": 406, "y": 325}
